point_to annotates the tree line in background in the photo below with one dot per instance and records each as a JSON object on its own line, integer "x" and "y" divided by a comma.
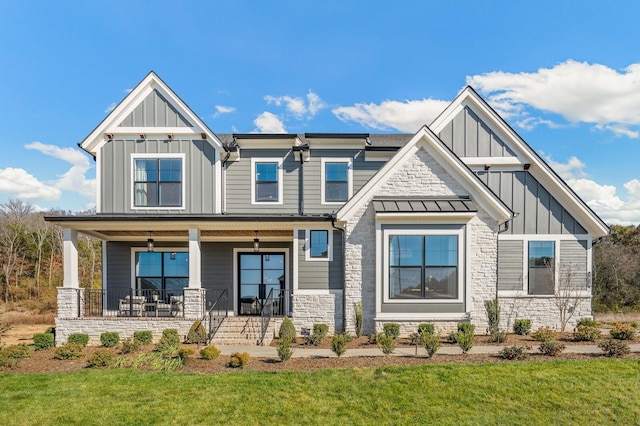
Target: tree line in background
{"x": 31, "y": 261}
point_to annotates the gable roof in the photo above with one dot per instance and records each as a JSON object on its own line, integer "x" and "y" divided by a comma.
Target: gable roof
{"x": 468, "y": 97}
{"x": 427, "y": 140}
{"x": 189, "y": 123}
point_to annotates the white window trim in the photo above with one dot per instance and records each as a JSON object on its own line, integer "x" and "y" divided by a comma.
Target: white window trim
{"x": 134, "y": 157}
{"x": 556, "y": 239}
{"x": 135, "y": 250}
{"x": 461, "y": 264}
{"x": 279, "y": 161}
{"x": 323, "y": 182}
{"x": 307, "y": 246}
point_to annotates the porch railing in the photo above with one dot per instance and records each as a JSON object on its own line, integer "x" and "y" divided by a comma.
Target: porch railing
{"x": 277, "y": 304}
{"x": 132, "y": 303}
{"x": 217, "y": 312}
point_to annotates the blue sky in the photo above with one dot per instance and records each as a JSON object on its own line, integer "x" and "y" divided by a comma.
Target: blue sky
{"x": 565, "y": 75}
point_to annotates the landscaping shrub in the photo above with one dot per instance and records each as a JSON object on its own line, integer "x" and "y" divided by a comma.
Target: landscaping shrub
{"x": 588, "y": 322}
{"x": 544, "y": 334}
{"x": 284, "y": 349}
{"x": 492, "y": 308}
{"x": 551, "y": 347}
{"x": 101, "y": 358}
{"x": 80, "y": 338}
{"x": 465, "y": 340}
{"x": 144, "y": 337}
{"x": 586, "y": 333}
{"x": 621, "y": 331}
{"x": 319, "y": 332}
{"x": 287, "y": 330}
{"x": 451, "y": 338}
{"x": 12, "y": 354}
{"x": 210, "y": 352}
{"x": 130, "y": 345}
{"x": 184, "y": 353}
{"x": 634, "y": 324}
{"x": 339, "y": 343}
{"x": 357, "y": 308}
{"x": 239, "y": 359}
{"x": 498, "y": 337}
{"x": 522, "y": 327}
{"x": 467, "y": 327}
{"x": 69, "y": 351}
{"x": 515, "y": 352}
{"x": 391, "y": 329}
{"x": 431, "y": 343}
{"x": 197, "y": 333}
{"x": 43, "y": 341}
{"x": 168, "y": 343}
{"x": 373, "y": 338}
{"x": 110, "y": 339}
{"x": 614, "y": 348}
{"x": 387, "y": 343}
{"x": 426, "y": 328}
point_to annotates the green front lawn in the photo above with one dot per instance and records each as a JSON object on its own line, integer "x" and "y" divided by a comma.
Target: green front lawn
{"x": 559, "y": 392}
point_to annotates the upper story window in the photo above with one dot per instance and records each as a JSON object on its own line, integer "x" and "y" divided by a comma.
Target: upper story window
{"x": 267, "y": 181}
{"x": 158, "y": 180}
{"x": 541, "y": 267}
{"x": 336, "y": 180}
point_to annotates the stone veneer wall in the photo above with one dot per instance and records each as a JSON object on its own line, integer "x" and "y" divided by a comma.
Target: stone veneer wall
{"x": 309, "y": 309}
{"x": 542, "y": 311}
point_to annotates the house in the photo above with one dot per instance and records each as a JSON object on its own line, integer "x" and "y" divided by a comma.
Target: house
{"x": 420, "y": 227}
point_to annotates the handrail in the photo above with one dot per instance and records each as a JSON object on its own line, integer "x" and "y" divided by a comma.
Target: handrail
{"x": 265, "y": 318}
{"x": 212, "y": 331}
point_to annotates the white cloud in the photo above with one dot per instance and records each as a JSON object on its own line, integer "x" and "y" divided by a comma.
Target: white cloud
{"x": 298, "y": 106}
{"x": 221, "y": 109}
{"x": 407, "y": 116}
{"x": 573, "y": 168}
{"x": 110, "y": 108}
{"x": 268, "y": 122}
{"x": 22, "y": 185}
{"x": 577, "y": 91}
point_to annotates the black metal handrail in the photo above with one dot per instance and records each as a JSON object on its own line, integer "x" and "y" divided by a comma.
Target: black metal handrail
{"x": 266, "y": 313}
{"x": 217, "y": 319}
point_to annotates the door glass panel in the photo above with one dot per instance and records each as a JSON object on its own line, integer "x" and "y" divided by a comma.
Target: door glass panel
{"x": 259, "y": 273}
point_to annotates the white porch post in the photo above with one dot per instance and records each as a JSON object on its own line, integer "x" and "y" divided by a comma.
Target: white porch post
{"x": 70, "y": 258}
{"x": 195, "y": 259}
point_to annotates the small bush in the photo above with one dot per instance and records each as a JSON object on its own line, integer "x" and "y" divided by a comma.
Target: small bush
{"x": 210, "y": 352}
{"x": 101, "y": 358}
{"x": 551, "y": 347}
{"x": 144, "y": 337}
{"x": 42, "y": 341}
{"x": 522, "y": 327}
{"x": 197, "y": 333}
{"x": 287, "y": 330}
{"x": 68, "y": 351}
{"x": 284, "y": 349}
{"x": 515, "y": 352}
{"x": 634, "y": 324}
{"x": 586, "y": 333}
{"x": 492, "y": 308}
{"x": 467, "y": 327}
{"x": 431, "y": 343}
{"x": 614, "y": 348}
{"x": 169, "y": 343}
{"x": 387, "y": 343}
{"x": 544, "y": 334}
{"x": 373, "y": 338}
{"x": 11, "y": 355}
{"x": 110, "y": 339}
{"x": 451, "y": 338}
{"x": 426, "y": 328}
{"x": 464, "y": 340}
{"x": 357, "y": 308}
{"x": 184, "y": 353}
{"x": 130, "y": 346}
{"x": 587, "y": 322}
{"x": 339, "y": 343}
{"x": 391, "y": 329}
{"x": 80, "y": 338}
{"x": 621, "y": 331}
{"x": 498, "y": 337}
{"x": 319, "y": 332}
{"x": 239, "y": 359}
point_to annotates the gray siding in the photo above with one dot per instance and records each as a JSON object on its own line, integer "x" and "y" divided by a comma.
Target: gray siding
{"x": 119, "y": 265}
{"x": 320, "y": 275}
{"x": 155, "y": 111}
{"x": 573, "y": 265}
{"x": 117, "y": 181}
{"x": 468, "y": 136}
{"x": 510, "y": 266}
{"x": 538, "y": 211}
{"x": 238, "y": 183}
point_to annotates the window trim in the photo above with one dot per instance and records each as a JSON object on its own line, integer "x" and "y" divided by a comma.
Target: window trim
{"x": 132, "y": 179}
{"x": 323, "y": 178}
{"x": 307, "y": 246}
{"x": 556, "y": 250}
{"x": 279, "y": 161}
{"x": 135, "y": 250}
{"x": 462, "y": 273}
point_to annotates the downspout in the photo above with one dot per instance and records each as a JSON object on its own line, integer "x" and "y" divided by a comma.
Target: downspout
{"x": 301, "y": 185}
{"x": 333, "y": 218}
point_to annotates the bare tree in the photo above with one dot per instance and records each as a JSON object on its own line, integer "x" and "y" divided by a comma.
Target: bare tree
{"x": 13, "y": 215}
{"x": 567, "y": 294}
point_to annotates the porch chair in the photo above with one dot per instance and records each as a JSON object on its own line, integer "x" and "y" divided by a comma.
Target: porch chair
{"x": 132, "y": 307}
{"x": 177, "y": 305}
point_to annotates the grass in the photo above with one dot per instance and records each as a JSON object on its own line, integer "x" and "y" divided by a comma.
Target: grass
{"x": 556, "y": 392}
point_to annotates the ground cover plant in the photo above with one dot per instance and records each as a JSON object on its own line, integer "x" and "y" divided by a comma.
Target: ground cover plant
{"x": 602, "y": 391}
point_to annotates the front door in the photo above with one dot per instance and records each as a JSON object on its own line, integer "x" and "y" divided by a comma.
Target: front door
{"x": 259, "y": 273}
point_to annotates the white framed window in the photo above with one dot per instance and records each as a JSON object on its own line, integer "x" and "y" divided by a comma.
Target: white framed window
{"x": 337, "y": 180}
{"x": 318, "y": 245}
{"x": 423, "y": 265}
{"x": 541, "y": 267}
{"x": 266, "y": 181}
{"x": 158, "y": 181}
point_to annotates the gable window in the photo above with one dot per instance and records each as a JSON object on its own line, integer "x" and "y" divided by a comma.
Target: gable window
{"x": 158, "y": 181}
{"x": 336, "y": 180}
{"x": 423, "y": 267}
{"x": 267, "y": 181}
{"x": 541, "y": 267}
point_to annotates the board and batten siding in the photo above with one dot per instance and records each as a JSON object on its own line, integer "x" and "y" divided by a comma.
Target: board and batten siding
{"x": 510, "y": 272}
{"x": 155, "y": 111}
{"x": 116, "y": 177}
{"x": 319, "y": 275}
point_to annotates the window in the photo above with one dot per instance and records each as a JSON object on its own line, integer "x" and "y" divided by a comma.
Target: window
{"x": 318, "y": 245}
{"x": 157, "y": 182}
{"x": 336, "y": 178}
{"x": 164, "y": 272}
{"x": 541, "y": 267}
{"x": 267, "y": 181}
{"x": 423, "y": 267}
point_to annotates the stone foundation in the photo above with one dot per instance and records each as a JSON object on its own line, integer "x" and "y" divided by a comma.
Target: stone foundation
{"x": 542, "y": 312}
{"x": 309, "y": 309}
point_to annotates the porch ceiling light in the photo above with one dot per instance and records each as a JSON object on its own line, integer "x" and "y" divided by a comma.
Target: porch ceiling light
{"x": 256, "y": 243}
{"x": 150, "y": 243}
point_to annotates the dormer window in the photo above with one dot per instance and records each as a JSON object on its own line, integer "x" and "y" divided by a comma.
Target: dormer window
{"x": 336, "y": 180}
{"x": 158, "y": 180}
{"x": 267, "y": 181}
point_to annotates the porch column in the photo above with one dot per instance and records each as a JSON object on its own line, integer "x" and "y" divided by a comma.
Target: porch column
{"x": 195, "y": 259}
{"x": 70, "y": 258}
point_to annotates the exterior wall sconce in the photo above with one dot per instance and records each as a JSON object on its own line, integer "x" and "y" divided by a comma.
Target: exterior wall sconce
{"x": 170, "y": 136}
{"x": 143, "y": 136}
{"x": 150, "y": 243}
{"x": 256, "y": 244}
